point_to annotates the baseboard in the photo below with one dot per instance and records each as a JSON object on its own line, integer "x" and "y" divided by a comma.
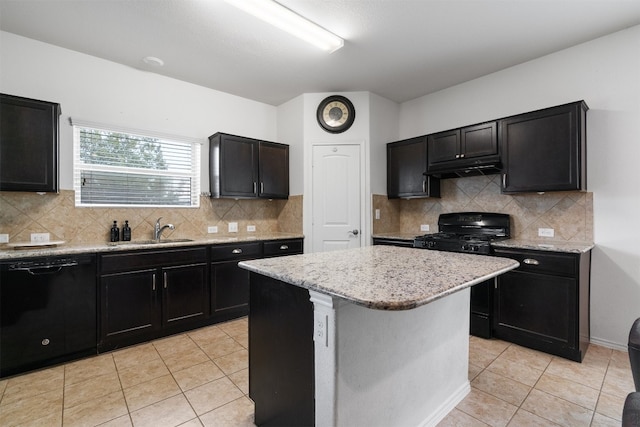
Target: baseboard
{"x": 608, "y": 344}
{"x": 447, "y": 406}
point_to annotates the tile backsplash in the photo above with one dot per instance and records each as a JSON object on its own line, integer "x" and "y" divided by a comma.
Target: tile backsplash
{"x": 24, "y": 213}
{"x": 569, "y": 213}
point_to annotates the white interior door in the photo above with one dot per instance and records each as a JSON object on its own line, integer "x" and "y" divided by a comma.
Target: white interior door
{"x": 336, "y": 197}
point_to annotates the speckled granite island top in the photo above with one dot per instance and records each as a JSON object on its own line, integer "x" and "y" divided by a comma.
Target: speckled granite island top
{"x": 383, "y": 277}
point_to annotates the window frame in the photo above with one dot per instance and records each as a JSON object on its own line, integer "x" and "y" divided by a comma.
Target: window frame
{"x": 79, "y": 166}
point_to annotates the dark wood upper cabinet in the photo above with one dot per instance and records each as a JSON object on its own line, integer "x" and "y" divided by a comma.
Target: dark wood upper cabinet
{"x": 29, "y": 132}
{"x": 470, "y": 147}
{"x": 545, "y": 150}
{"x": 406, "y": 168}
{"x": 444, "y": 146}
{"x": 273, "y": 170}
{"x": 242, "y": 167}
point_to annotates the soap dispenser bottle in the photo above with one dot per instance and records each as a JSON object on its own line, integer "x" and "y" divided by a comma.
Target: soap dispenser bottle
{"x": 115, "y": 232}
{"x": 126, "y": 232}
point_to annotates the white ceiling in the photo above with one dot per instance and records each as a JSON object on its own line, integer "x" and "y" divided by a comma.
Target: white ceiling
{"x": 399, "y": 49}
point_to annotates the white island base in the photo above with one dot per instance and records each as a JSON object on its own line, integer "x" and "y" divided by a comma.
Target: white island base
{"x": 389, "y": 368}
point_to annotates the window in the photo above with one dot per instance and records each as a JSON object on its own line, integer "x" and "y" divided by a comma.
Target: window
{"x": 116, "y": 167}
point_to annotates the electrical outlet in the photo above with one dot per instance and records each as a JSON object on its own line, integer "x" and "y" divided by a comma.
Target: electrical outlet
{"x": 424, "y": 227}
{"x": 546, "y": 232}
{"x": 4, "y": 238}
{"x": 39, "y": 237}
{"x": 233, "y": 227}
{"x": 212, "y": 229}
{"x": 377, "y": 213}
{"x": 251, "y": 228}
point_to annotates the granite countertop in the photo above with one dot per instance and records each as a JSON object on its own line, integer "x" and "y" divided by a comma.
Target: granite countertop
{"x": 383, "y": 277}
{"x": 540, "y": 245}
{"x": 8, "y": 252}
{"x": 552, "y": 246}
{"x": 397, "y": 236}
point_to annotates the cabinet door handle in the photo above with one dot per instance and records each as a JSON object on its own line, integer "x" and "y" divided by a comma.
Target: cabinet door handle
{"x": 164, "y": 279}
{"x": 255, "y": 187}
{"x": 462, "y": 156}
{"x": 504, "y": 180}
{"x": 531, "y": 261}
{"x": 457, "y": 156}
{"x": 153, "y": 282}
{"x": 262, "y": 187}
{"x": 236, "y": 251}
{"x": 284, "y": 247}
{"x": 424, "y": 184}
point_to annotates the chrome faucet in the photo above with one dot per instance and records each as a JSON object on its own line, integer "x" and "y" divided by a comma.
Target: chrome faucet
{"x": 157, "y": 232}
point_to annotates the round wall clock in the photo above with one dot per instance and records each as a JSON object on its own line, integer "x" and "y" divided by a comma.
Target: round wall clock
{"x": 336, "y": 114}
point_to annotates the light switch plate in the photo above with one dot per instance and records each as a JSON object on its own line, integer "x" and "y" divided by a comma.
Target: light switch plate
{"x": 233, "y": 227}
{"x": 4, "y": 238}
{"x": 424, "y": 227}
{"x": 251, "y": 228}
{"x": 546, "y": 232}
{"x": 212, "y": 229}
{"x": 377, "y": 213}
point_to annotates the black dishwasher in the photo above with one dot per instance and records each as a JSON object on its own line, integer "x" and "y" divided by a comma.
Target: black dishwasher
{"x": 47, "y": 311}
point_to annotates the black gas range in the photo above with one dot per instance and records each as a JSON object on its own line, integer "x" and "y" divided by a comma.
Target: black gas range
{"x": 471, "y": 232}
{"x": 466, "y": 232}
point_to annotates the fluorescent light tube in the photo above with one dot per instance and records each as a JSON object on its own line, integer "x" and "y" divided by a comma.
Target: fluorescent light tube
{"x": 283, "y": 18}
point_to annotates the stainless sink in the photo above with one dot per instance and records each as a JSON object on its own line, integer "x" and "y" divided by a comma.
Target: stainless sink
{"x": 149, "y": 242}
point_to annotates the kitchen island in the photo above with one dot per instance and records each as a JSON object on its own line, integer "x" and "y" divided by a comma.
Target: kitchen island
{"x": 369, "y": 336}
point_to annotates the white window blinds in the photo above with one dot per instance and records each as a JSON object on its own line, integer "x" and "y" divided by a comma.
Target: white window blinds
{"x": 120, "y": 167}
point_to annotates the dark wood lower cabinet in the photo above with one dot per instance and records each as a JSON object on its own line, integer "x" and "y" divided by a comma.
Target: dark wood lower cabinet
{"x": 230, "y": 283}
{"x": 544, "y": 303}
{"x": 148, "y": 294}
{"x": 129, "y": 308}
{"x": 392, "y": 242}
{"x": 281, "y": 353}
{"x": 185, "y": 294}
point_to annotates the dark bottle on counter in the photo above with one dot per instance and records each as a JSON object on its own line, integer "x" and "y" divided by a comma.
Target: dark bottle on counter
{"x": 126, "y": 232}
{"x": 115, "y": 232}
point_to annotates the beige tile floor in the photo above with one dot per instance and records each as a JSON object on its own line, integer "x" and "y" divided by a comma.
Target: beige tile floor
{"x": 200, "y": 378}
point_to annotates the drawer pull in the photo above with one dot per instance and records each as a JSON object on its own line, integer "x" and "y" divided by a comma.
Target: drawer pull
{"x": 531, "y": 261}
{"x": 236, "y": 251}
{"x": 284, "y": 247}
{"x": 45, "y": 341}
{"x": 164, "y": 280}
{"x": 153, "y": 282}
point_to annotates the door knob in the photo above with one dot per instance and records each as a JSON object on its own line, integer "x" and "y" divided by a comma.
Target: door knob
{"x": 354, "y": 232}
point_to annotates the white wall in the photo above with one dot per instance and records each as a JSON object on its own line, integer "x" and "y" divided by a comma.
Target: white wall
{"x": 101, "y": 91}
{"x": 384, "y": 120}
{"x": 291, "y": 131}
{"x": 606, "y": 74}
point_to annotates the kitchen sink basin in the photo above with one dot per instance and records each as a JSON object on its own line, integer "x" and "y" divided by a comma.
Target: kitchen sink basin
{"x": 149, "y": 242}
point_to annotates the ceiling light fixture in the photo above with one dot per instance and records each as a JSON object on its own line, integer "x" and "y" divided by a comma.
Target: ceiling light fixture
{"x": 153, "y": 61}
{"x": 289, "y": 21}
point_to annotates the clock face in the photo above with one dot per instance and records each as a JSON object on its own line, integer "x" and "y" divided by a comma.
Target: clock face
{"x": 336, "y": 114}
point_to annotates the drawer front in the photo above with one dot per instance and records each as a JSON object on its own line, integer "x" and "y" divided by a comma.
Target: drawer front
{"x": 282, "y": 247}
{"x": 561, "y": 264}
{"x": 236, "y": 251}
{"x": 112, "y": 263}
